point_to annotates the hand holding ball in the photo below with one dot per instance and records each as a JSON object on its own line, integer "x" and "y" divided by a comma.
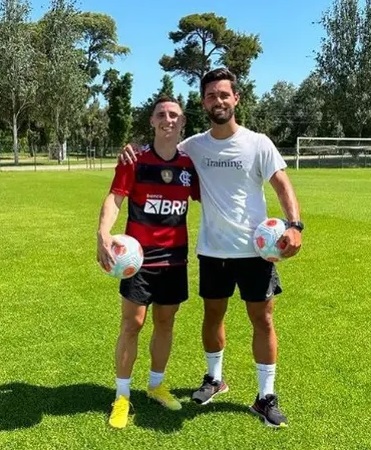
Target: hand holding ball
{"x": 128, "y": 256}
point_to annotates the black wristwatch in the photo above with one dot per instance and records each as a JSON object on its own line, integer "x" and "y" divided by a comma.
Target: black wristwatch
{"x": 297, "y": 224}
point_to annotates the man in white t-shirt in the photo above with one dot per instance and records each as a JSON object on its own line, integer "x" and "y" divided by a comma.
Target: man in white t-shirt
{"x": 232, "y": 163}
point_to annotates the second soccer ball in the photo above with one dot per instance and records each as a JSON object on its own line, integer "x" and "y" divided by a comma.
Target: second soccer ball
{"x": 266, "y": 236}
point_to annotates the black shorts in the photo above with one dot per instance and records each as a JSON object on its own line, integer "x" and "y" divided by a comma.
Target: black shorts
{"x": 161, "y": 285}
{"x": 256, "y": 278}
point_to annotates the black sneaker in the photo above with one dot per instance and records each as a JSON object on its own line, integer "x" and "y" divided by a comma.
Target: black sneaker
{"x": 208, "y": 390}
{"x": 267, "y": 409}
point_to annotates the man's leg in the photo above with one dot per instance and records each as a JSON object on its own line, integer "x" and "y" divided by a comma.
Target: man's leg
{"x": 132, "y": 320}
{"x": 213, "y": 335}
{"x": 213, "y": 338}
{"x": 162, "y": 336}
{"x": 264, "y": 347}
{"x": 160, "y": 347}
{"x": 258, "y": 282}
{"x": 213, "y": 332}
{"x": 216, "y": 286}
{"x": 171, "y": 290}
{"x": 264, "y": 343}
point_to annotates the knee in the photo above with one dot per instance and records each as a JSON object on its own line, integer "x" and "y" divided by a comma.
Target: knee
{"x": 213, "y": 315}
{"x": 131, "y": 326}
{"x": 164, "y": 324}
{"x": 263, "y": 322}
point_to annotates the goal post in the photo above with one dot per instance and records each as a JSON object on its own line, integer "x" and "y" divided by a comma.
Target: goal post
{"x": 339, "y": 151}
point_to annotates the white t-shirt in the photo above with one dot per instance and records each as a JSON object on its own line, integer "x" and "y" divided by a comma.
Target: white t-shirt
{"x": 232, "y": 172}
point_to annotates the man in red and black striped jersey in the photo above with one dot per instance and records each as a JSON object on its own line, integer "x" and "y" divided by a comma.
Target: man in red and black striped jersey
{"x": 157, "y": 186}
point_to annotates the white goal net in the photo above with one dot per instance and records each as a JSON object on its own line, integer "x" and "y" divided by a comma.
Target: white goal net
{"x": 332, "y": 152}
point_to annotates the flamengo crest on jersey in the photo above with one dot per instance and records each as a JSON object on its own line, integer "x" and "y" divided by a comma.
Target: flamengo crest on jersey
{"x": 185, "y": 178}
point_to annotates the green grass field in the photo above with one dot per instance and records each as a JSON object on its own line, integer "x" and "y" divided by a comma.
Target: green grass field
{"x": 60, "y": 318}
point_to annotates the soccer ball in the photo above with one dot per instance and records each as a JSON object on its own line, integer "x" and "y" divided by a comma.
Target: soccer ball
{"x": 128, "y": 256}
{"x": 266, "y": 236}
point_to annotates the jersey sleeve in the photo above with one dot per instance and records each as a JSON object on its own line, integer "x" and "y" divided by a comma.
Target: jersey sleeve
{"x": 270, "y": 158}
{"x": 123, "y": 180}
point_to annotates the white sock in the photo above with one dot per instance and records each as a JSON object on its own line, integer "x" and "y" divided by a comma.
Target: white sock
{"x": 266, "y": 375}
{"x": 155, "y": 378}
{"x": 214, "y": 364}
{"x": 123, "y": 387}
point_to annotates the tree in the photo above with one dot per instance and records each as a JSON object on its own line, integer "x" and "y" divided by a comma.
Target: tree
{"x": 98, "y": 41}
{"x": 167, "y": 87}
{"x": 247, "y": 104}
{"x": 363, "y": 113}
{"x": 118, "y": 95}
{"x": 344, "y": 63}
{"x": 207, "y": 41}
{"x": 17, "y": 66}
{"x": 238, "y": 52}
{"x": 197, "y": 120}
{"x": 273, "y": 113}
{"x": 93, "y": 129}
{"x": 63, "y": 93}
{"x": 305, "y": 111}
{"x": 181, "y": 101}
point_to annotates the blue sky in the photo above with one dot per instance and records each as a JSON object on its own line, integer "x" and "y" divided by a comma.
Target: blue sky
{"x": 285, "y": 27}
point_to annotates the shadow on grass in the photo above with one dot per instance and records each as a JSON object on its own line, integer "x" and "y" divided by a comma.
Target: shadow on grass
{"x": 151, "y": 415}
{"x": 23, "y": 406}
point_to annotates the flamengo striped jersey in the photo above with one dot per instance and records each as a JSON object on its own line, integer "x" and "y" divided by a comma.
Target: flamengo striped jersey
{"x": 158, "y": 193}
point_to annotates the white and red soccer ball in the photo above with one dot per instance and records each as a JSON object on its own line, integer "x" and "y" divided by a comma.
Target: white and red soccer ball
{"x": 266, "y": 237}
{"x": 128, "y": 255}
